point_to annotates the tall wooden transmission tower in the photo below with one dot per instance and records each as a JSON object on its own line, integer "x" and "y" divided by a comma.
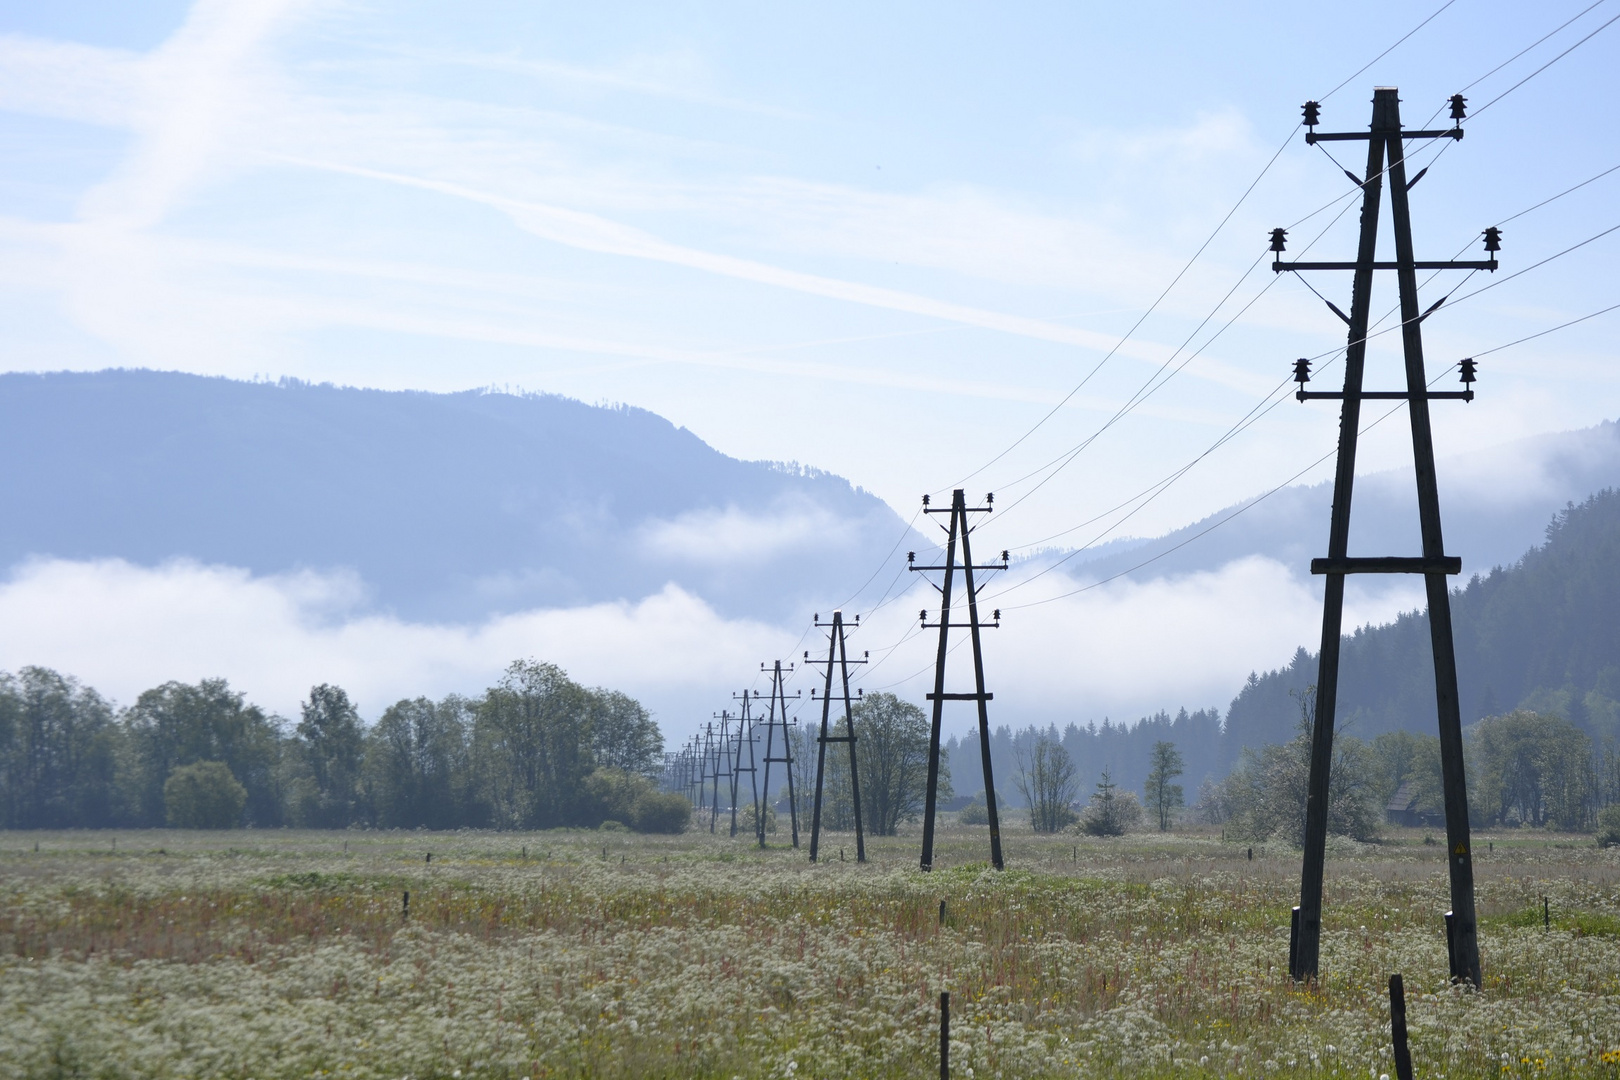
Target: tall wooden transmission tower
{"x": 837, "y": 653}
{"x": 745, "y": 738}
{"x": 1386, "y": 143}
{"x": 776, "y": 717}
{"x": 957, "y": 532}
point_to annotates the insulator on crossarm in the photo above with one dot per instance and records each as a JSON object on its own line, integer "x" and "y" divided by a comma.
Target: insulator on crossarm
{"x": 925, "y": 500}
{"x": 1279, "y": 239}
{"x": 1313, "y": 113}
{"x": 1467, "y": 369}
{"x": 1493, "y": 239}
{"x": 1459, "y": 108}
{"x": 1302, "y": 371}
{"x": 911, "y": 557}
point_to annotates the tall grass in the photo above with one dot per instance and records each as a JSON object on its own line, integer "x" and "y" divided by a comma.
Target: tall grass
{"x": 583, "y": 954}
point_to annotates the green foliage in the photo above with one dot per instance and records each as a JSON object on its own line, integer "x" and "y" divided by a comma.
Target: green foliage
{"x": 327, "y": 795}
{"x": 663, "y": 812}
{"x": 1400, "y": 757}
{"x": 1111, "y": 812}
{"x": 416, "y": 768}
{"x": 892, "y": 748}
{"x": 1531, "y": 769}
{"x": 58, "y": 753}
{"x": 203, "y": 795}
{"x": 1163, "y": 797}
{"x": 977, "y": 811}
{"x": 1265, "y": 794}
{"x": 632, "y": 800}
{"x": 178, "y": 724}
{"x": 1046, "y": 780}
{"x": 1608, "y": 825}
{"x": 535, "y": 740}
{"x": 1539, "y": 635}
{"x": 519, "y": 757}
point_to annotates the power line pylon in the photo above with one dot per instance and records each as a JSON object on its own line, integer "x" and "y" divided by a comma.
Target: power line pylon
{"x": 959, "y": 531}
{"x": 745, "y": 737}
{"x": 837, "y": 652}
{"x": 722, "y": 767}
{"x": 694, "y": 771}
{"x": 776, "y": 716}
{"x": 1385, "y": 140}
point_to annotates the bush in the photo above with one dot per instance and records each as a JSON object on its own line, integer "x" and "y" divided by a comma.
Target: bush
{"x": 619, "y": 799}
{"x": 1608, "y": 822}
{"x": 662, "y": 812}
{"x": 203, "y": 795}
{"x": 977, "y": 812}
{"x": 1111, "y": 812}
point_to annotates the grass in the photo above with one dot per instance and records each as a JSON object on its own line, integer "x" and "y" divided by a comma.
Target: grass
{"x": 564, "y": 954}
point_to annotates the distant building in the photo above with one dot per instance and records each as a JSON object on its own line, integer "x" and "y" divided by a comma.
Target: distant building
{"x": 1402, "y": 809}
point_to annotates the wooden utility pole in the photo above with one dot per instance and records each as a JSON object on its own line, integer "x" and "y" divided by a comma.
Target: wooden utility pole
{"x": 745, "y": 738}
{"x": 776, "y": 716}
{"x": 1386, "y": 142}
{"x": 837, "y": 652}
{"x": 956, "y": 532}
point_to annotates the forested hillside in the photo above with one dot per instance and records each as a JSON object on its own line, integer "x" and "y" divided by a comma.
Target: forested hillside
{"x": 1542, "y": 634}
{"x": 447, "y": 506}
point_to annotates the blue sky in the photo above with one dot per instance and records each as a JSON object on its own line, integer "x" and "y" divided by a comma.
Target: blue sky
{"x": 885, "y": 240}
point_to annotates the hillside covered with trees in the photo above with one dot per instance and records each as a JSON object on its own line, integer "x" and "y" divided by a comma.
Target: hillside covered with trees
{"x": 1541, "y": 635}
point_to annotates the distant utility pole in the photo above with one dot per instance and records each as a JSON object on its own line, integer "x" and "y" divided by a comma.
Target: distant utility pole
{"x": 722, "y": 763}
{"x": 745, "y": 737}
{"x": 723, "y": 766}
{"x": 838, "y": 653}
{"x": 777, "y": 716}
{"x": 694, "y": 769}
{"x": 958, "y": 531}
{"x": 1386, "y": 139}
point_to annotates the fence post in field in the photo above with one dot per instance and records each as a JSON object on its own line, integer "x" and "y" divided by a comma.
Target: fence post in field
{"x": 1397, "y": 1028}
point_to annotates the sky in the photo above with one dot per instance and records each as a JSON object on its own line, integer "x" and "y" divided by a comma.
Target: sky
{"x": 919, "y": 245}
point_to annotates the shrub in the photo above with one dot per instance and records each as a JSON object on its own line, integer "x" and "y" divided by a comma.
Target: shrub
{"x": 203, "y": 795}
{"x": 1111, "y": 812}
{"x": 1608, "y": 822}
{"x": 662, "y": 812}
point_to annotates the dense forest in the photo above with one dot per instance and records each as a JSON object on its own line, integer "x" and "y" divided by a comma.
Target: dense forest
{"x": 1542, "y": 635}
{"x": 534, "y": 751}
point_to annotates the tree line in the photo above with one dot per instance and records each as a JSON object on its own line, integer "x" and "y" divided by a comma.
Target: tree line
{"x": 536, "y": 750}
{"x": 1524, "y": 769}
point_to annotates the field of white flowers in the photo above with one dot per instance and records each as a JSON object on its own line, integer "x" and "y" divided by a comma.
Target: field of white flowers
{"x": 289, "y": 954}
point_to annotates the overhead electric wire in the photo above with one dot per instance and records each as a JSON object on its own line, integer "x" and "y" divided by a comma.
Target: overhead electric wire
{"x": 1151, "y": 386}
{"x": 1532, "y": 45}
{"x": 1387, "y": 51}
{"x": 1153, "y": 491}
{"x": 1548, "y": 64}
{"x": 1245, "y": 508}
{"x": 1140, "y": 320}
{"x": 1195, "y": 256}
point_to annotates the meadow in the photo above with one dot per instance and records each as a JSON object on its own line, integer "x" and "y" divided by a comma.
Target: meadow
{"x": 270, "y": 954}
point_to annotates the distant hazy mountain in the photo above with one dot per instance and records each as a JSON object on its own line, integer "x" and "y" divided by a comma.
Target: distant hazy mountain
{"x": 447, "y": 506}
{"x": 1495, "y": 506}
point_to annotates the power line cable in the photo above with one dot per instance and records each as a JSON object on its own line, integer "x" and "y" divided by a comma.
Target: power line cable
{"x": 1545, "y": 66}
